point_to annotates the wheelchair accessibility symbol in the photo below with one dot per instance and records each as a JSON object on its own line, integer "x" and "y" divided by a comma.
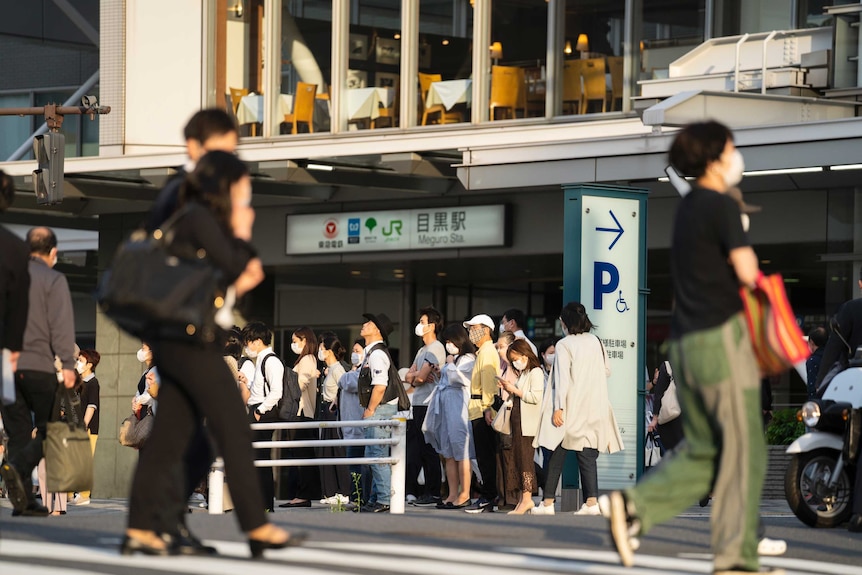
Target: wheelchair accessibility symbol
{"x": 622, "y": 306}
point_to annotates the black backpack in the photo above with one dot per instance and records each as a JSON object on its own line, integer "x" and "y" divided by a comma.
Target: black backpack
{"x": 288, "y": 406}
{"x": 393, "y": 389}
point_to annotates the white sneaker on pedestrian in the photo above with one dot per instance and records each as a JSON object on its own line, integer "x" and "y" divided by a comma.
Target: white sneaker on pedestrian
{"x": 542, "y": 509}
{"x": 771, "y": 547}
{"x": 588, "y": 510}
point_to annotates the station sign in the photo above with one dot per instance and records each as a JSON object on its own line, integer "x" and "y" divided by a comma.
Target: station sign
{"x": 392, "y": 230}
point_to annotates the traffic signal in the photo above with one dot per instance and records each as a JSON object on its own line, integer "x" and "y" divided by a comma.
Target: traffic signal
{"x": 49, "y": 150}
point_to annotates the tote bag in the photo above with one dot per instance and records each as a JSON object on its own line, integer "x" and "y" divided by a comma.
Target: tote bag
{"x": 503, "y": 420}
{"x": 68, "y": 457}
{"x": 670, "y": 408}
{"x": 775, "y": 336}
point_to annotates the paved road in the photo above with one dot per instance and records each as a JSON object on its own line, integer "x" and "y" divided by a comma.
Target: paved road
{"x": 423, "y": 541}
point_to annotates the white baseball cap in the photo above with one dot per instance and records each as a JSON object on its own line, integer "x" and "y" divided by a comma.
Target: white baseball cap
{"x": 481, "y": 319}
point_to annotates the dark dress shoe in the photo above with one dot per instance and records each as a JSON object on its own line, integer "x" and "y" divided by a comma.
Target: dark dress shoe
{"x": 184, "y": 543}
{"x": 855, "y": 524}
{"x": 257, "y": 547}
{"x": 31, "y": 510}
{"x": 131, "y": 546}
{"x": 15, "y": 487}
{"x": 380, "y": 508}
{"x": 288, "y": 504}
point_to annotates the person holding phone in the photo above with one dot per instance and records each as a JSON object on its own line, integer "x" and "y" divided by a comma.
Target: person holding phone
{"x": 334, "y": 479}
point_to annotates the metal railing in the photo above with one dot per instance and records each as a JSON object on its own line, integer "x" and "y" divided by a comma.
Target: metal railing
{"x": 397, "y": 459}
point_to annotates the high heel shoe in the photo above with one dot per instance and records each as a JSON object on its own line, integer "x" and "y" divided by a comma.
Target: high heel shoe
{"x": 258, "y": 546}
{"x": 131, "y": 546}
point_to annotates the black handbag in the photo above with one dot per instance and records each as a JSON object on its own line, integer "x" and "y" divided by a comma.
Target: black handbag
{"x": 153, "y": 294}
{"x": 68, "y": 455}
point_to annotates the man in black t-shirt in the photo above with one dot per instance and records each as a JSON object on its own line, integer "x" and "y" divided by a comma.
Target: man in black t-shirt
{"x": 715, "y": 370}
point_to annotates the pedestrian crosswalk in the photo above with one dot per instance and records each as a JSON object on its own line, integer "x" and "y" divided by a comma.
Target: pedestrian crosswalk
{"x": 319, "y": 558}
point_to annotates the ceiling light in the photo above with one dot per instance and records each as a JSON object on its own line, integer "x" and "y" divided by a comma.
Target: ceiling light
{"x": 441, "y": 274}
{"x": 355, "y": 273}
{"x": 445, "y": 42}
{"x": 319, "y": 167}
{"x": 397, "y": 36}
{"x": 783, "y": 171}
{"x": 398, "y": 271}
{"x": 846, "y": 167}
{"x": 765, "y": 262}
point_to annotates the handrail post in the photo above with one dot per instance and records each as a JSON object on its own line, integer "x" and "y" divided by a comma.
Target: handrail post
{"x": 398, "y": 469}
{"x": 215, "y": 505}
{"x": 736, "y": 65}
{"x": 763, "y": 70}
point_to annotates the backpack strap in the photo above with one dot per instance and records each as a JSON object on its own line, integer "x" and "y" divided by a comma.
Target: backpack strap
{"x": 266, "y": 385}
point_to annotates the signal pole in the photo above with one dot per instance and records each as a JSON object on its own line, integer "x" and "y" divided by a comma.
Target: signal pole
{"x": 50, "y": 147}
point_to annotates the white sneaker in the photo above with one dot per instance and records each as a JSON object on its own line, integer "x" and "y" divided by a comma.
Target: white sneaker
{"x": 588, "y": 510}
{"x": 337, "y": 499}
{"x": 542, "y": 509}
{"x": 771, "y": 547}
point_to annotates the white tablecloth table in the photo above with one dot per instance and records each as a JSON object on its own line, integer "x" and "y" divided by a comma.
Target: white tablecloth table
{"x": 250, "y": 109}
{"x": 449, "y": 93}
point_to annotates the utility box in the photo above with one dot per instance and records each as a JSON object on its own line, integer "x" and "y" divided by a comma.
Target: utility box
{"x": 49, "y": 150}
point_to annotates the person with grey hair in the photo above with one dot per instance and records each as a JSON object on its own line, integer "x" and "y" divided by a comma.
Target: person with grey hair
{"x": 50, "y": 330}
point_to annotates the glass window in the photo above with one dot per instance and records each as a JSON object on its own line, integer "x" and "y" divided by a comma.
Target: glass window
{"x": 669, "y": 30}
{"x": 304, "y": 100}
{"x": 239, "y": 66}
{"x": 518, "y": 50}
{"x": 812, "y": 14}
{"x": 14, "y": 130}
{"x": 370, "y": 99}
{"x": 445, "y": 61}
{"x": 592, "y": 75}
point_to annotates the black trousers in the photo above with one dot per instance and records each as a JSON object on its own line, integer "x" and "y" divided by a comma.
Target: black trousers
{"x": 35, "y": 392}
{"x": 309, "y": 476}
{"x": 196, "y": 384}
{"x": 485, "y": 444}
{"x": 421, "y": 455}
{"x": 264, "y": 474}
{"x": 586, "y": 467}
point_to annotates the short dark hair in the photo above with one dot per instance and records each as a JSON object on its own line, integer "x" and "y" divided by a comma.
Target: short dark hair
{"x": 331, "y": 342}
{"x": 257, "y": 330}
{"x": 91, "y": 356}
{"x": 41, "y": 240}
{"x": 208, "y": 123}
{"x": 209, "y": 184}
{"x": 574, "y": 315}
{"x": 435, "y": 318}
{"x": 818, "y": 336}
{"x": 521, "y": 347}
{"x": 516, "y": 316}
{"x": 457, "y": 334}
{"x": 307, "y": 334}
{"x": 697, "y": 145}
{"x": 233, "y": 346}
{"x": 547, "y": 344}
{"x": 7, "y": 191}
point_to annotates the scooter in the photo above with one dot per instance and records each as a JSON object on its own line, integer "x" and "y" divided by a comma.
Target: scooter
{"x": 820, "y": 479}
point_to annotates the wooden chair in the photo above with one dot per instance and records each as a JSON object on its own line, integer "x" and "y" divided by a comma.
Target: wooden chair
{"x": 504, "y": 91}
{"x": 446, "y": 117}
{"x": 303, "y": 108}
{"x": 573, "y": 93}
{"x": 389, "y": 116}
{"x": 595, "y": 83}
{"x": 615, "y": 66}
{"x": 236, "y": 94}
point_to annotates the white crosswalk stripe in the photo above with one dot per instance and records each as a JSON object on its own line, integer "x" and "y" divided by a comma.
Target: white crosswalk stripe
{"x": 318, "y": 558}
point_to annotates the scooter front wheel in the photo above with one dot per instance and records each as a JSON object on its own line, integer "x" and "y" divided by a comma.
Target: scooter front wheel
{"x": 807, "y": 491}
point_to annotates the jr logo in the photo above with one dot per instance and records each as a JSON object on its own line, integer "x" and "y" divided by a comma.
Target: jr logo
{"x": 394, "y": 228}
{"x": 606, "y": 278}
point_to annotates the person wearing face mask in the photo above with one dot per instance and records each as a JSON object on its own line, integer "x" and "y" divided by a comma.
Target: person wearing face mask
{"x": 50, "y": 330}
{"x": 546, "y": 353}
{"x": 88, "y": 359}
{"x": 334, "y": 479}
{"x": 422, "y": 376}
{"x": 514, "y": 320}
{"x": 349, "y": 409}
{"x": 447, "y": 422}
{"x": 715, "y": 370}
{"x": 508, "y": 480}
{"x": 483, "y": 389}
{"x": 526, "y": 396}
{"x": 304, "y": 484}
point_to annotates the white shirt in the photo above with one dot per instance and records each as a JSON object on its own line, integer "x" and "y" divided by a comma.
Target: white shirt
{"x": 378, "y": 362}
{"x": 268, "y": 392}
{"x": 521, "y": 335}
{"x": 247, "y": 370}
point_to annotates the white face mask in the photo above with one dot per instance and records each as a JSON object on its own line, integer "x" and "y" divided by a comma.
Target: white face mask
{"x": 251, "y": 354}
{"x": 419, "y": 330}
{"x": 520, "y": 364}
{"x": 451, "y": 348}
{"x": 355, "y": 358}
{"x": 80, "y": 367}
{"x": 321, "y": 354}
{"x": 502, "y": 328}
{"x": 733, "y": 175}
{"x": 296, "y": 348}
{"x": 549, "y": 359}
{"x": 143, "y": 355}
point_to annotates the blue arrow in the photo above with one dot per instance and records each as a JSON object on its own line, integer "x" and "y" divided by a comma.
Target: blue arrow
{"x": 618, "y": 230}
